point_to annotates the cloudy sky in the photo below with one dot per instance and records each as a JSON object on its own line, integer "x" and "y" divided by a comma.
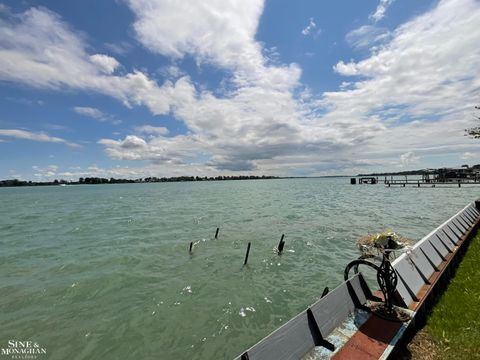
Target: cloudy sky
{"x": 135, "y": 88}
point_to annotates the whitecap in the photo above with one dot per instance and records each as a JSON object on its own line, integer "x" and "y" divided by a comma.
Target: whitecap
{"x": 187, "y": 288}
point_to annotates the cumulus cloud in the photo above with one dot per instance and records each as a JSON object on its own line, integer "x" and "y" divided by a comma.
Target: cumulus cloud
{"x": 409, "y": 158}
{"x": 221, "y": 33}
{"x": 34, "y": 136}
{"x": 180, "y": 150}
{"x": 374, "y": 120}
{"x": 412, "y": 94}
{"x": 106, "y": 63}
{"x": 346, "y": 69}
{"x": 39, "y": 49}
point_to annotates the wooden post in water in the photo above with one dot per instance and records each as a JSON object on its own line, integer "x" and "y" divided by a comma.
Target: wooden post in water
{"x": 248, "y": 253}
{"x": 191, "y": 247}
{"x": 281, "y": 244}
{"x": 216, "y": 233}
{"x": 325, "y": 292}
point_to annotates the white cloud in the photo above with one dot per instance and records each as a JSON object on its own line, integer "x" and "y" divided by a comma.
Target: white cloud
{"x": 470, "y": 156}
{"x": 41, "y": 136}
{"x": 106, "y": 63}
{"x": 152, "y": 130}
{"x": 39, "y": 49}
{"x": 90, "y": 112}
{"x": 346, "y": 69}
{"x": 180, "y": 150}
{"x": 45, "y": 173}
{"x": 96, "y": 114}
{"x": 221, "y": 33}
{"x": 400, "y": 104}
{"x": 171, "y": 71}
{"x": 367, "y": 36}
{"x": 133, "y": 142}
{"x": 308, "y": 29}
{"x": 412, "y": 94}
{"x": 409, "y": 158}
{"x": 404, "y": 75}
{"x": 381, "y": 9}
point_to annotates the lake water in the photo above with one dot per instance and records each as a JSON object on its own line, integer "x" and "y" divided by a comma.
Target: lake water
{"x": 103, "y": 271}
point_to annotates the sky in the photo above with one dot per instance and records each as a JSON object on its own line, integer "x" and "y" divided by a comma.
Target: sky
{"x": 138, "y": 88}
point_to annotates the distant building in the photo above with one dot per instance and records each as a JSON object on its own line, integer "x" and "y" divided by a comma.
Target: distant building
{"x": 455, "y": 174}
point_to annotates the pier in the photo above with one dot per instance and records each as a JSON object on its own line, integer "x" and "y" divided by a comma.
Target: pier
{"x": 422, "y": 183}
{"x": 429, "y": 178}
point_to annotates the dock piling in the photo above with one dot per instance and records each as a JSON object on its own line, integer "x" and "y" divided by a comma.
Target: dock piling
{"x": 325, "y": 292}
{"x": 216, "y": 233}
{"x": 248, "y": 253}
{"x": 191, "y": 247}
{"x": 281, "y": 244}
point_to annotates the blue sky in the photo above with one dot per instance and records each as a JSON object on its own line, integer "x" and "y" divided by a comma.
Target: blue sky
{"x": 136, "y": 88}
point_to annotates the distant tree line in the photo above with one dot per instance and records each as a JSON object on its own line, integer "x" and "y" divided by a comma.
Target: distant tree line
{"x": 98, "y": 180}
{"x": 411, "y": 172}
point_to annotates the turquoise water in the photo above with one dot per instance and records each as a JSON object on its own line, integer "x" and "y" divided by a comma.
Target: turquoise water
{"x": 103, "y": 271}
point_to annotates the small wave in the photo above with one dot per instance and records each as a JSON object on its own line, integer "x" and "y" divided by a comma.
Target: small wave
{"x": 187, "y": 289}
{"x": 243, "y": 313}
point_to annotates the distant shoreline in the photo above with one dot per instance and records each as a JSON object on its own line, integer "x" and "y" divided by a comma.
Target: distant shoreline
{"x": 101, "y": 181}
